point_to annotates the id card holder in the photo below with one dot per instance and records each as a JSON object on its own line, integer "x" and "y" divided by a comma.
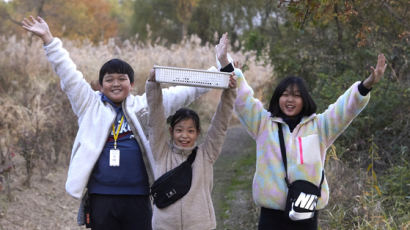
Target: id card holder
{"x": 114, "y": 157}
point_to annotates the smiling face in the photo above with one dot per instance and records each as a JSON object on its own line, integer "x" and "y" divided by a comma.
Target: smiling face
{"x": 116, "y": 87}
{"x": 291, "y": 102}
{"x": 184, "y": 133}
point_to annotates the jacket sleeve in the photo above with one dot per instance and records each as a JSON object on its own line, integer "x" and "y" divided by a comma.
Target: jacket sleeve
{"x": 338, "y": 116}
{"x": 249, "y": 109}
{"x": 156, "y": 119}
{"x": 78, "y": 90}
{"x": 215, "y": 137}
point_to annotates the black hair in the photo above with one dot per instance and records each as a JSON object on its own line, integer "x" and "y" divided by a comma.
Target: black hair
{"x": 116, "y": 66}
{"x": 309, "y": 106}
{"x": 184, "y": 114}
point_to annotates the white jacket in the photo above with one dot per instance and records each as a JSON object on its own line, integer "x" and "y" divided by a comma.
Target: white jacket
{"x": 96, "y": 117}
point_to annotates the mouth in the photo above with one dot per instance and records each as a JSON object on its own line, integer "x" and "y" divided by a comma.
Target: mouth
{"x": 115, "y": 91}
{"x": 290, "y": 107}
{"x": 184, "y": 143}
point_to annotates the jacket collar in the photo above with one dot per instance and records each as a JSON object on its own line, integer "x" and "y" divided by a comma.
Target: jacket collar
{"x": 128, "y": 102}
{"x": 181, "y": 150}
{"x": 303, "y": 121}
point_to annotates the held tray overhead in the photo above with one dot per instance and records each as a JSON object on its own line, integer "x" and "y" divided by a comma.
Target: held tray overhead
{"x": 211, "y": 78}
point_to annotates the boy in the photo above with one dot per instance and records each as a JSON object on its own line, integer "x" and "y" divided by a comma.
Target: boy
{"x": 111, "y": 156}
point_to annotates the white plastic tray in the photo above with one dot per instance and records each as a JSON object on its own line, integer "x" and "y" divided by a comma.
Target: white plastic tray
{"x": 191, "y": 77}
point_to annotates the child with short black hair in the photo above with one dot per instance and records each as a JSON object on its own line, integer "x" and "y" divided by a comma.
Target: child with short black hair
{"x": 194, "y": 210}
{"x": 111, "y": 155}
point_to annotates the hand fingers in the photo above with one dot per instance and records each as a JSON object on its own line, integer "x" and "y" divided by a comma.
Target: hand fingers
{"x": 33, "y": 20}
{"x": 225, "y": 36}
{"x": 27, "y": 22}
{"x": 40, "y": 19}
{"x": 24, "y": 22}
{"x": 381, "y": 61}
{"x": 232, "y": 80}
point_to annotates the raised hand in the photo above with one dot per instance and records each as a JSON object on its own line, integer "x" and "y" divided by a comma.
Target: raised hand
{"x": 232, "y": 81}
{"x": 377, "y": 73}
{"x": 38, "y": 27}
{"x": 222, "y": 50}
{"x": 151, "y": 75}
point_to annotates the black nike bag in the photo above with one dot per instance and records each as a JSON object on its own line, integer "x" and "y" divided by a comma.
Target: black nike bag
{"x": 301, "y": 200}
{"x": 302, "y": 195}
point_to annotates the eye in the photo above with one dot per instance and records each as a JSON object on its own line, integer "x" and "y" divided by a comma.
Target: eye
{"x": 192, "y": 131}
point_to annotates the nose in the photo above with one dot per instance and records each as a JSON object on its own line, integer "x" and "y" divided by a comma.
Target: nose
{"x": 290, "y": 98}
{"x": 116, "y": 82}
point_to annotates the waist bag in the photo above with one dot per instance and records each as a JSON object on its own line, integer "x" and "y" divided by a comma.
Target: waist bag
{"x": 174, "y": 184}
{"x": 302, "y": 195}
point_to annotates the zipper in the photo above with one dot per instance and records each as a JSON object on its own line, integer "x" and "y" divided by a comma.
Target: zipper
{"x": 147, "y": 164}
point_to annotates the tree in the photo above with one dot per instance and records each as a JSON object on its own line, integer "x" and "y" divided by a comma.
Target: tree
{"x": 157, "y": 19}
{"x": 184, "y": 13}
{"x": 74, "y": 19}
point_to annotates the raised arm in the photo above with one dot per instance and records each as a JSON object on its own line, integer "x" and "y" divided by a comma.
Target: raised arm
{"x": 215, "y": 136}
{"x": 73, "y": 83}
{"x": 156, "y": 119}
{"x": 339, "y": 115}
{"x": 249, "y": 109}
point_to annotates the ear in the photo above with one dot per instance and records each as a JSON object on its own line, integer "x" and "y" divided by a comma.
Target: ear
{"x": 170, "y": 131}
{"x": 132, "y": 84}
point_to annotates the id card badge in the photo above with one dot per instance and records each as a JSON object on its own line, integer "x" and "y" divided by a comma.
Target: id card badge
{"x": 114, "y": 157}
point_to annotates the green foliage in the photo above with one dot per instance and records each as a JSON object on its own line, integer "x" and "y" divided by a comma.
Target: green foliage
{"x": 155, "y": 19}
{"x": 395, "y": 191}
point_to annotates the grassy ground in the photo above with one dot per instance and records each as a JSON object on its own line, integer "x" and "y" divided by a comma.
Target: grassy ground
{"x": 233, "y": 173}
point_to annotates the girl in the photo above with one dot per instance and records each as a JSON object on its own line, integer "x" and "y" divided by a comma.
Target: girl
{"x": 307, "y": 136}
{"x": 195, "y": 209}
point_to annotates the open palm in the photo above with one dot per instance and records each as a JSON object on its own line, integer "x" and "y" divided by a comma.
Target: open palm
{"x": 36, "y": 25}
{"x": 377, "y": 73}
{"x": 222, "y": 50}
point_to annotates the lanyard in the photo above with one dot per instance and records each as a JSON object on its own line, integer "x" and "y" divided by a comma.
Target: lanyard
{"x": 118, "y": 132}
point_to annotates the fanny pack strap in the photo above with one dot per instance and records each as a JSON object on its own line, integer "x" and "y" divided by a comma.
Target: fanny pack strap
{"x": 283, "y": 151}
{"x": 192, "y": 156}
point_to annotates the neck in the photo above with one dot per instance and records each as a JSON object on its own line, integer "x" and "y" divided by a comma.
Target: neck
{"x": 292, "y": 122}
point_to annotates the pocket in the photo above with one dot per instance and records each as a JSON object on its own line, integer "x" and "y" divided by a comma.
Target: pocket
{"x": 308, "y": 149}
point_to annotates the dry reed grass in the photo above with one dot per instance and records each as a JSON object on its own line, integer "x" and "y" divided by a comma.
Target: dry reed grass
{"x": 34, "y": 109}
{"x": 36, "y": 119}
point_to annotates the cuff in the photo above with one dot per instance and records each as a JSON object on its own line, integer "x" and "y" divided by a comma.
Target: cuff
{"x": 363, "y": 90}
{"x": 229, "y": 68}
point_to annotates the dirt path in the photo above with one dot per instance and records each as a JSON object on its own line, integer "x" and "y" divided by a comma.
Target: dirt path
{"x": 233, "y": 173}
{"x": 46, "y": 205}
